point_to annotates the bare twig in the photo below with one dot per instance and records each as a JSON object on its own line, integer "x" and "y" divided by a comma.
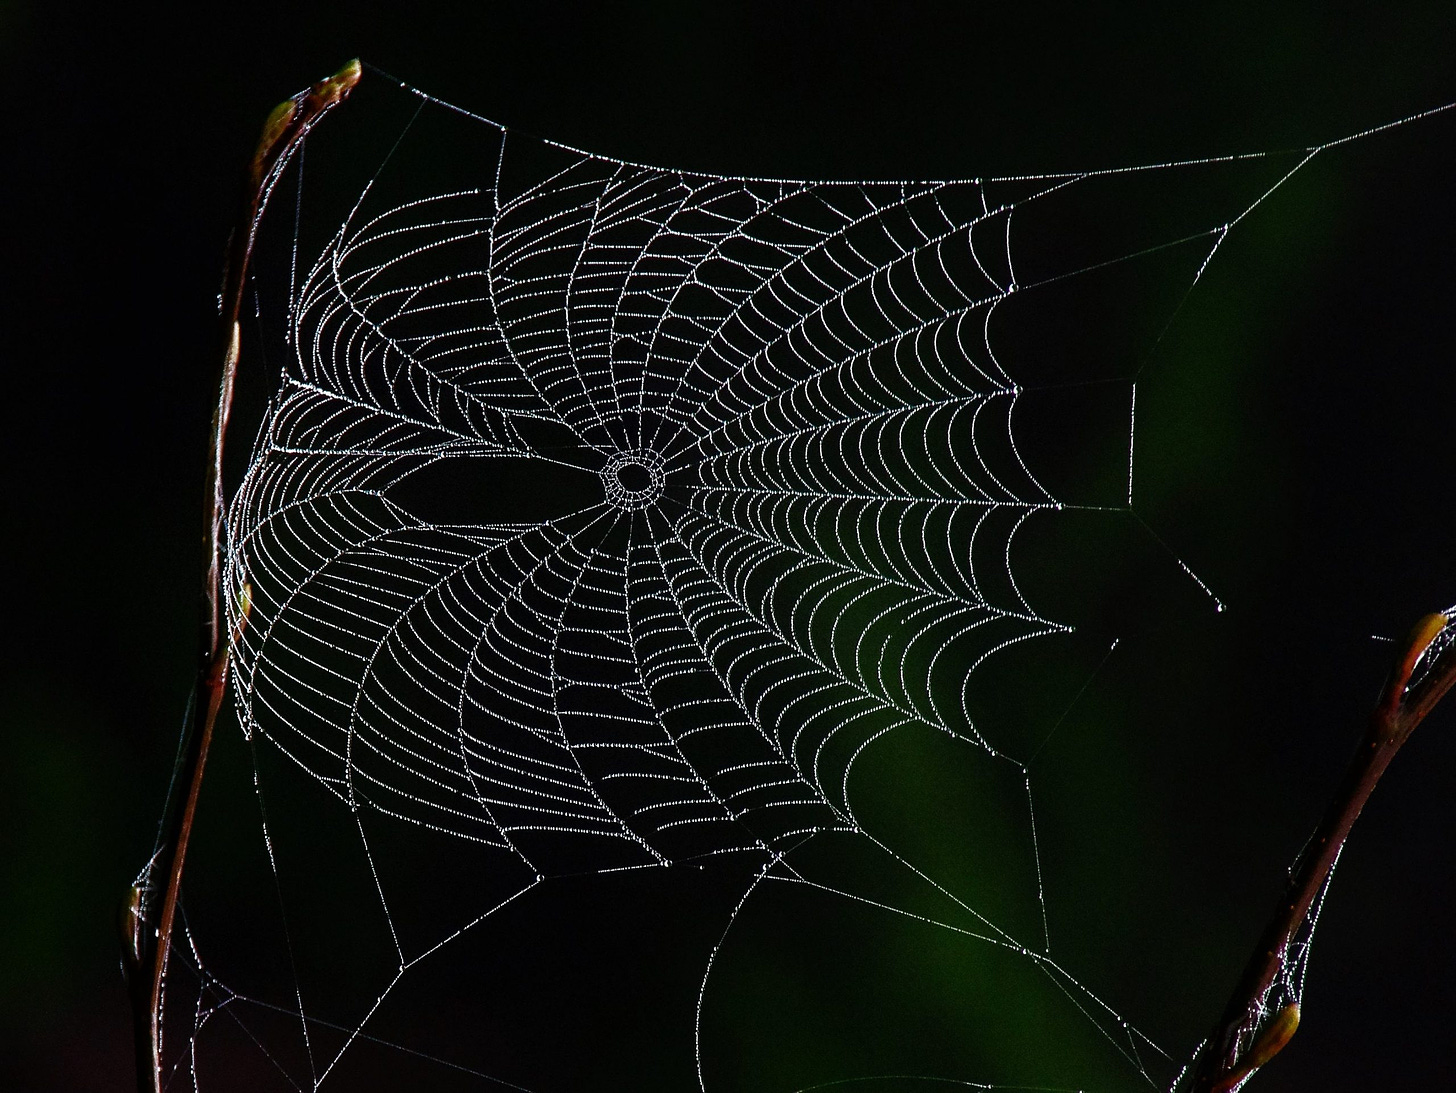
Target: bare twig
{"x": 147, "y": 951}
{"x": 1239, "y": 1045}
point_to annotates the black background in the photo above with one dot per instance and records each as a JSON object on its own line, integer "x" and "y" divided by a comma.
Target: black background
{"x": 125, "y": 132}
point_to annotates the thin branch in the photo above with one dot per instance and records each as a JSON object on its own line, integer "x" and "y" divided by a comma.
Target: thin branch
{"x": 1247, "y": 1037}
{"x": 146, "y": 951}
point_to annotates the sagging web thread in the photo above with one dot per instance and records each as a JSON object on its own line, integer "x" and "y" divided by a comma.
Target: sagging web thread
{"x": 805, "y": 484}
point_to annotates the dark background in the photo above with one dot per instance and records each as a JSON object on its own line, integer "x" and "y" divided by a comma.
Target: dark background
{"x": 1324, "y": 361}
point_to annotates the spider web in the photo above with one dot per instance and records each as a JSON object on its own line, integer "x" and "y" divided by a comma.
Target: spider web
{"x": 610, "y": 524}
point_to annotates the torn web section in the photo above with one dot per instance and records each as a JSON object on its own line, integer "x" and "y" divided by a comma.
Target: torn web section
{"x": 645, "y": 568}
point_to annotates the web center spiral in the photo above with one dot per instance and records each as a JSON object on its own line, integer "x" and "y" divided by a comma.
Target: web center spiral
{"x": 633, "y": 479}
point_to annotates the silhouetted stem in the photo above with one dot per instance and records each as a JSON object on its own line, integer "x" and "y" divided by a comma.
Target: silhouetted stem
{"x": 1228, "y": 1060}
{"x": 147, "y": 952}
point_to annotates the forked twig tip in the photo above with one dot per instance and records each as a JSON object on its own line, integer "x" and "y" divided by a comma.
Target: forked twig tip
{"x": 1422, "y": 634}
{"x": 1404, "y": 702}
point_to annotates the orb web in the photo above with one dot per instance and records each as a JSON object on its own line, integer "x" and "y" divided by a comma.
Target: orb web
{"x": 608, "y": 519}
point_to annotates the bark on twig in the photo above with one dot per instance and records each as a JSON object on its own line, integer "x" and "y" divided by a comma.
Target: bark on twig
{"x": 1241, "y": 1042}
{"x": 147, "y": 950}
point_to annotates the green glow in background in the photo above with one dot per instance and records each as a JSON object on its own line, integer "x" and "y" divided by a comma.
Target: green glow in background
{"x": 1291, "y": 448}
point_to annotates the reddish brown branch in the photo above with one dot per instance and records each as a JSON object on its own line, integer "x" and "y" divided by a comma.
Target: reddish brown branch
{"x": 147, "y": 952}
{"x": 1239, "y": 1045}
